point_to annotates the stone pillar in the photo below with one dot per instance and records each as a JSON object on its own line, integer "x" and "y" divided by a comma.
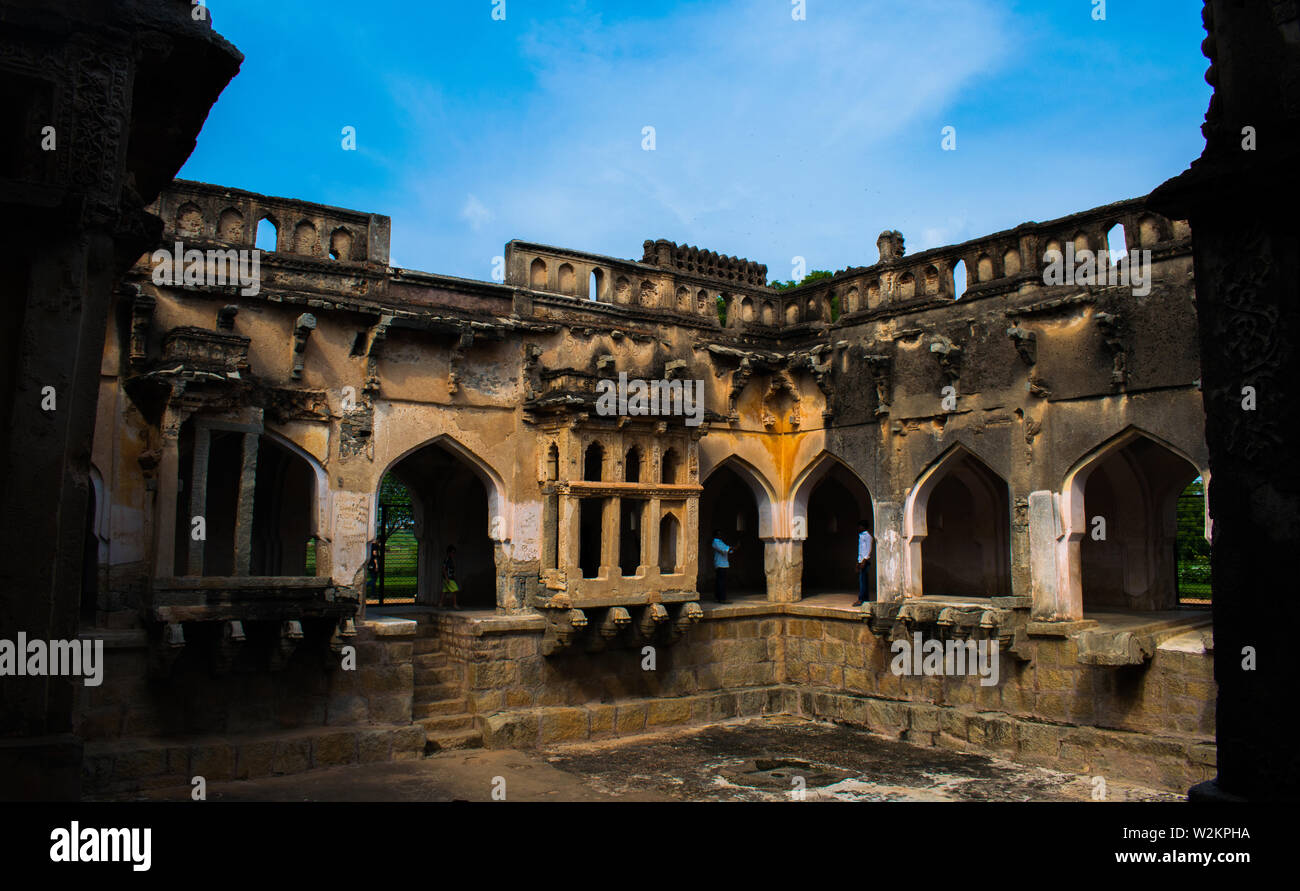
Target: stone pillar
{"x": 570, "y": 537}
{"x": 1044, "y": 534}
{"x": 1246, "y": 249}
{"x": 244, "y": 506}
{"x": 164, "y": 514}
{"x": 650, "y": 540}
{"x": 609, "y": 522}
{"x": 198, "y": 496}
{"x": 888, "y": 551}
{"x": 783, "y": 563}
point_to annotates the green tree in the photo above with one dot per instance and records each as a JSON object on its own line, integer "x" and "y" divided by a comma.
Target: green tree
{"x": 814, "y": 276}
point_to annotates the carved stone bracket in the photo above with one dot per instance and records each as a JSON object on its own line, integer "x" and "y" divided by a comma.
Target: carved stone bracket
{"x": 463, "y": 343}
{"x": 948, "y": 355}
{"x": 882, "y": 376}
{"x": 228, "y": 647}
{"x": 1113, "y": 330}
{"x": 164, "y": 652}
{"x": 302, "y": 330}
{"x": 1026, "y": 343}
{"x": 286, "y": 644}
{"x": 378, "y": 334}
{"x": 562, "y": 628}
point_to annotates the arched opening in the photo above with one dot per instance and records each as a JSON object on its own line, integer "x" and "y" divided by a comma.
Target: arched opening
{"x": 537, "y": 274}
{"x": 670, "y": 530}
{"x": 305, "y": 239}
{"x": 268, "y": 235}
{"x": 449, "y": 503}
{"x": 189, "y": 220}
{"x": 1011, "y": 262}
{"x": 931, "y": 280}
{"x": 593, "y": 284}
{"x": 283, "y": 501}
{"x": 1148, "y": 231}
{"x": 632, "y": 465}
{"x": 1193, "y": 547}
{"x": 592, "y": 462}
{"x": 395, "y": 545}
{"x": 959, "y": 530}
{"x": 230, "y": 226}
{"x": 1129, "y": 549}
{"x": 630, "y": 529}
{"x": 959, "y": 279}
{"x": 668, "y": 473}
{"x": 747, "y": 310}
{"x": 553, "y": 462}
{"x": 907, "y": 285}
{"x": 728, "y": 504}
{"x": 792, "y": 313}
{"x": 568, "y": 280}
{"x": 984, "y": 268}
{"x": 591, "y": 513}
{"x": 1116, "y": 243}
{"x": 833, "y": 502}
{"x": 341, "y": 245}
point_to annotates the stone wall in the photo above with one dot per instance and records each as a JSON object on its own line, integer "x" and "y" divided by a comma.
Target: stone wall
{"x": 145, "y": 731}
{"x": 1151, "y": 724}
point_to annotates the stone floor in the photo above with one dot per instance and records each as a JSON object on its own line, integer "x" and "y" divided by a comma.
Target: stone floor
{"x": 765, "y": 759}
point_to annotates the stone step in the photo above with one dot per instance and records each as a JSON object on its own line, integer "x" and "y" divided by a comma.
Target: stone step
{"x": 443, "y": 725}
{"x": 448, "y": 674}
{"x": 430, "y": 660}
{"x": 437, "y": 692}
{"x": 422, "y": 710}
{"x": 426, "y": 646}
{"x": 462, "y": 739}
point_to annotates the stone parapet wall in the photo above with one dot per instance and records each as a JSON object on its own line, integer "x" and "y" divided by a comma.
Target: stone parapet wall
{"x": 142, "y": 730}
{"x": 1151, "y": 724}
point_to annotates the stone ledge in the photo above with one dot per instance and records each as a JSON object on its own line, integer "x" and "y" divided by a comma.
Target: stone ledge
{"x": 391, "y": 626}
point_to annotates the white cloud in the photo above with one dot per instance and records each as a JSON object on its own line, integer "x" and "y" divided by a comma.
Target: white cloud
{"x": 475, "y": 212}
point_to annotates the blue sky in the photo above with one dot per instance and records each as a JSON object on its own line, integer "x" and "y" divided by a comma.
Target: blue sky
{"x": 774, "y": 138}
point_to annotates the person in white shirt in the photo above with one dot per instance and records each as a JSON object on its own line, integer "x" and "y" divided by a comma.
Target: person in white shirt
{"x": 864, "y": 562}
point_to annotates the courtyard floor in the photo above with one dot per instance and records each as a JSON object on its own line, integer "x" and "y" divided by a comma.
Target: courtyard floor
{"x": 763, "y": 759}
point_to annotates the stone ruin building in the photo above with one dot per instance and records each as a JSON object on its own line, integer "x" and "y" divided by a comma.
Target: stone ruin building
{"x": 980, "y": 434}
{"x": 583, "y": 538}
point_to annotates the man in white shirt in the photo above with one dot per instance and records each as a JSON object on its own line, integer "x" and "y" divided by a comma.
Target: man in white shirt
{"x": 864, "y": 562}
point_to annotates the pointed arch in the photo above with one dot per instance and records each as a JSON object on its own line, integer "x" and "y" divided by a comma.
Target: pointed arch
{"x": 320, "y": 522}
{"x": 828, "y": 501}
{"x": 961, "y": 465}
{"x": 765, "y": 495}
{"x": 816, "y": 470}
{"x": 500, "y": 519}
{"x": 1137, "y": 499}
